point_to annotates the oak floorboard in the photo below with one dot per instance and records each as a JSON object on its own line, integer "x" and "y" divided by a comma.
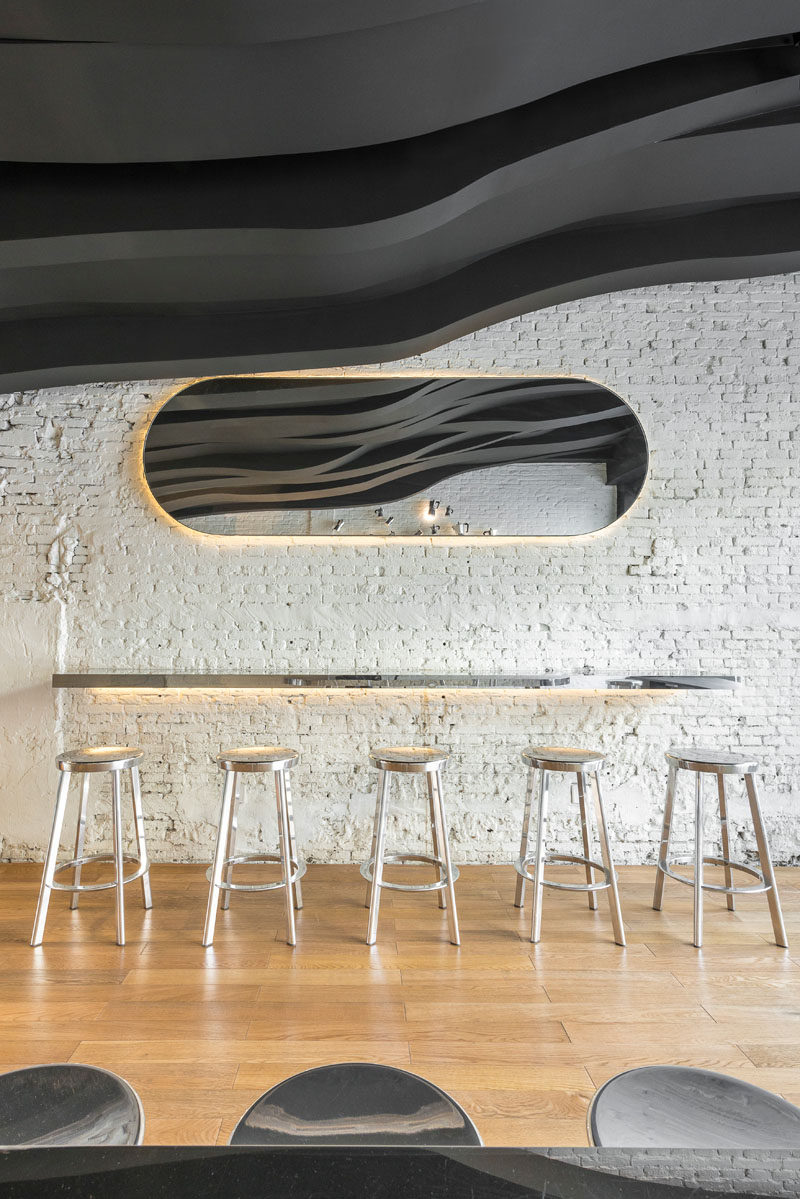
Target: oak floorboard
{"x": 783, "y": 1053}
{"x": 534, "y": 1132}
{"x": 725, "y": 1058}
{"x": 20, "y": 1051}
{"x": 560, "y": 1075}
{"x": 173, "y": 1130}
{"x": 176, "y": 1052}
{"x": 518, "y": 1104}
{"x": 520, "y": 1034}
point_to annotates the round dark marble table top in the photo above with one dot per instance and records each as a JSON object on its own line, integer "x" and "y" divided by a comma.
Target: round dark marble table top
{"x": 355, "y": 1103}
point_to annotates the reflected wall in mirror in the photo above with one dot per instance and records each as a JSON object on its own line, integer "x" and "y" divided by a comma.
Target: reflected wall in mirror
{"x": 389, "y": 455}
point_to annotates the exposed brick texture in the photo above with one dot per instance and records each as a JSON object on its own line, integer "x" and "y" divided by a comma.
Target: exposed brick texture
{"x": 702, "y": 576}
{"x": 727, "y": 1171}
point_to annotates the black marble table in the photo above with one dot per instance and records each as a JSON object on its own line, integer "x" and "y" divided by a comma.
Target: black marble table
{"x": 319, "y": 1173}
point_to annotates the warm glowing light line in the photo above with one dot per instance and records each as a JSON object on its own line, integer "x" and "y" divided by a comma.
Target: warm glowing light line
{"x": 550, "y": 692}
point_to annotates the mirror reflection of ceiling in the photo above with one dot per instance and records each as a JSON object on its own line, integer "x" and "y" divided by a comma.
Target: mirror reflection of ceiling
{"x": 230, "y": 186}
{"x": 393, "y": 456}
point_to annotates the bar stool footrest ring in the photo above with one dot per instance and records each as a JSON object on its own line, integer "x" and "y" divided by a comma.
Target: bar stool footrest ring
{"x": 754, "y": 889}
{"x": 259, "y": 859}
{"x": 400, "y": 859}
{"x": 144, "y": 866}
{"x": 554, "y": 859}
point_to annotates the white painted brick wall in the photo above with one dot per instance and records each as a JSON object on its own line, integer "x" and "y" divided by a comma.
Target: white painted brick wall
{"x": 701, "y": 577}
{"x": 727, "y": 1171}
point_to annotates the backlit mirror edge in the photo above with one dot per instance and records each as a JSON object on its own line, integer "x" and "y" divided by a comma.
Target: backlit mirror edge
{"x": 375, "y": 539}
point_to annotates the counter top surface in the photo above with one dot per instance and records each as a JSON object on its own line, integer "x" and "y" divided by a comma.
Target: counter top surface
{"x": 321, "y": 682}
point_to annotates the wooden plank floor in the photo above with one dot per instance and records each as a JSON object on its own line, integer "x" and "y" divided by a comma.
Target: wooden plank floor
{"x": 520, "y": 1035}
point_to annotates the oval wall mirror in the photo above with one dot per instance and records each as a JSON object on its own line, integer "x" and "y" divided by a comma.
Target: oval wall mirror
{"x": 396, "y": 455}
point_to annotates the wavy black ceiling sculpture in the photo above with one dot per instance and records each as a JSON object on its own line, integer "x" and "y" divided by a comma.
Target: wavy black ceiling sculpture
{"x": 230, "y": 186}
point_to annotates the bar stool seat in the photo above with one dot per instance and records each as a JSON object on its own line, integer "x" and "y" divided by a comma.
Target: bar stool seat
{"x": 712, "y": 761}
{"x": 583, "y": 763}
{"x": 701, "y": 761}
{"x": 556, "y": 757}
{"x": 260, "y": 759}
{"x": 407, "y": 759}
{"x": 410, "y": 759}
{"x": 95, "y": 759}
{"x": 68, "y": 1104}
{"x": 355, "y": 1103}
{"x": 680, "y": 1107}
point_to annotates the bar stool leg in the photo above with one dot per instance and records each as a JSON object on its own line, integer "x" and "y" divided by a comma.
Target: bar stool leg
{"x": 225, "y": 901}
{"x": 436, "y": 838}
{"x": 698, "y": 860}
{"x": 587, "y": 848}
{"x": 519, "y": 897}
{"x": 298, "y": 894}
{"x": 80, "y": 837}
{"x": 375, "y": 822}
{"x": 219, "y": 856}
{"x": 452, "y": 914}
{"x": 285, "y": 840}
{"x": 666, "y": 828}
{"x": 726, "y": 848}
{"x": 141, "y": 847}
{"x": 765, "y": 859}
{"x": 377, "y": 865}
{"x": 608, "y": 862}
{"x": 45, "y": 889}
{"x": 538, "y": 867}
{"x": 116, "y": 812}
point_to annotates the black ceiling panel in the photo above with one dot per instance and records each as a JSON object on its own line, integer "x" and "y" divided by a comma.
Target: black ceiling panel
{"x": 227, "y": 187}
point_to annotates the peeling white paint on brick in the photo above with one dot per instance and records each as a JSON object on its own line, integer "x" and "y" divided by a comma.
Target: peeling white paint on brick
{"x": 702, "y": 576}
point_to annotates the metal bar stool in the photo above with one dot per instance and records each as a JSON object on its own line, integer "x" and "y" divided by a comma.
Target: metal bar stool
{"x": 410, "y": 760}
{"x": 549, "y": 759}
{"x": 720, "y": 764}
{"x": 104, "y": 759}
{"x": 270, "y": 759}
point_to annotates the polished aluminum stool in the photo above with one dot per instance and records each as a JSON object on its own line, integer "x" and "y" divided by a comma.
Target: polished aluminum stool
{"x": 269, "y": 759}
{"x": 355, "y": 1103}
{"x": 67, "y": 1104}
{"x": 720, "y": 764}
{"x": 680, "y": 1107}
{"x": 550, "y": 759}
{"x": 104, "y": 759}
{"x": 410, "y": 760}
